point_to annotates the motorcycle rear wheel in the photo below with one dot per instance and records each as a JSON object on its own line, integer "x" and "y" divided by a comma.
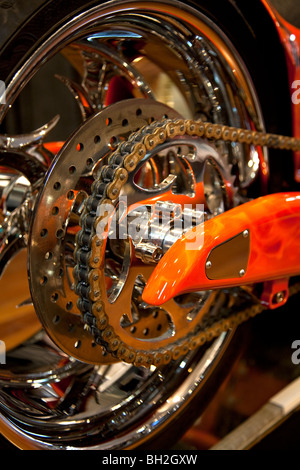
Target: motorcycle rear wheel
{"x": 47, "y": 399}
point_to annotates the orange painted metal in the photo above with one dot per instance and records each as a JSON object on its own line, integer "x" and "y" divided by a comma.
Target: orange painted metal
{"x": 275, "y": 293}
{"x": 289, "y": 36}
{"x": 53, "y": 147}
{"x": 273, "y": 224}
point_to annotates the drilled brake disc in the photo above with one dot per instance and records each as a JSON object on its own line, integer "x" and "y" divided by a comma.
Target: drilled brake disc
{"x": 173, "y": 171}
{"x": 56, "y": 221}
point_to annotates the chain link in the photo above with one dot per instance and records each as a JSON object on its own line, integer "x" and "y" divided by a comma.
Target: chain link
{"x": 89, "y": 253}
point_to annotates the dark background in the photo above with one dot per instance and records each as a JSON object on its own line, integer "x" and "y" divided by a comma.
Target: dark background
{"x": 289, "y": 9}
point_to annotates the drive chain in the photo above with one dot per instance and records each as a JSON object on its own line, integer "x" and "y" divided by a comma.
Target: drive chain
{"x": 90, "y": 245}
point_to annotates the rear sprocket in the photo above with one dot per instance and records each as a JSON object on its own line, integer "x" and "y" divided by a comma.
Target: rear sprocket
{"x": 173, "y": 186}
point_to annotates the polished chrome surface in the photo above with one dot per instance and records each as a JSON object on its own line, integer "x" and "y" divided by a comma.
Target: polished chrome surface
{"x": 82, "y": 408}
{"x": 184, "y": 66}
{"x": 26, "y": 153}
{"x": 15, "y": 207}
{"x": 172, "y": 53}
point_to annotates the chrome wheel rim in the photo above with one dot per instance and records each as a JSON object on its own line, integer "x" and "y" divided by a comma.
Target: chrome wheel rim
{"x": 35, "y": 399}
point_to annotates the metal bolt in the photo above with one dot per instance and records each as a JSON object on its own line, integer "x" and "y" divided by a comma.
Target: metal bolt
{"x": 245, "y": 233}
{"x": 157, "y": 255}
{"x": 279, "y": 297}
{"x": 242, "y": 272}
{"x": 148, "y": 252}
{"x": 208, "y": 265}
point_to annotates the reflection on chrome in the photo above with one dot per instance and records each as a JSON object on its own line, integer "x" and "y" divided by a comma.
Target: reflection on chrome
{"x": 81, "y": 404}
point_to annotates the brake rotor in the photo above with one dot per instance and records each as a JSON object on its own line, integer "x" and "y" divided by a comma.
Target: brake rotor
{"x": 186, "y": 170}
{"x": 56, "y": 221}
